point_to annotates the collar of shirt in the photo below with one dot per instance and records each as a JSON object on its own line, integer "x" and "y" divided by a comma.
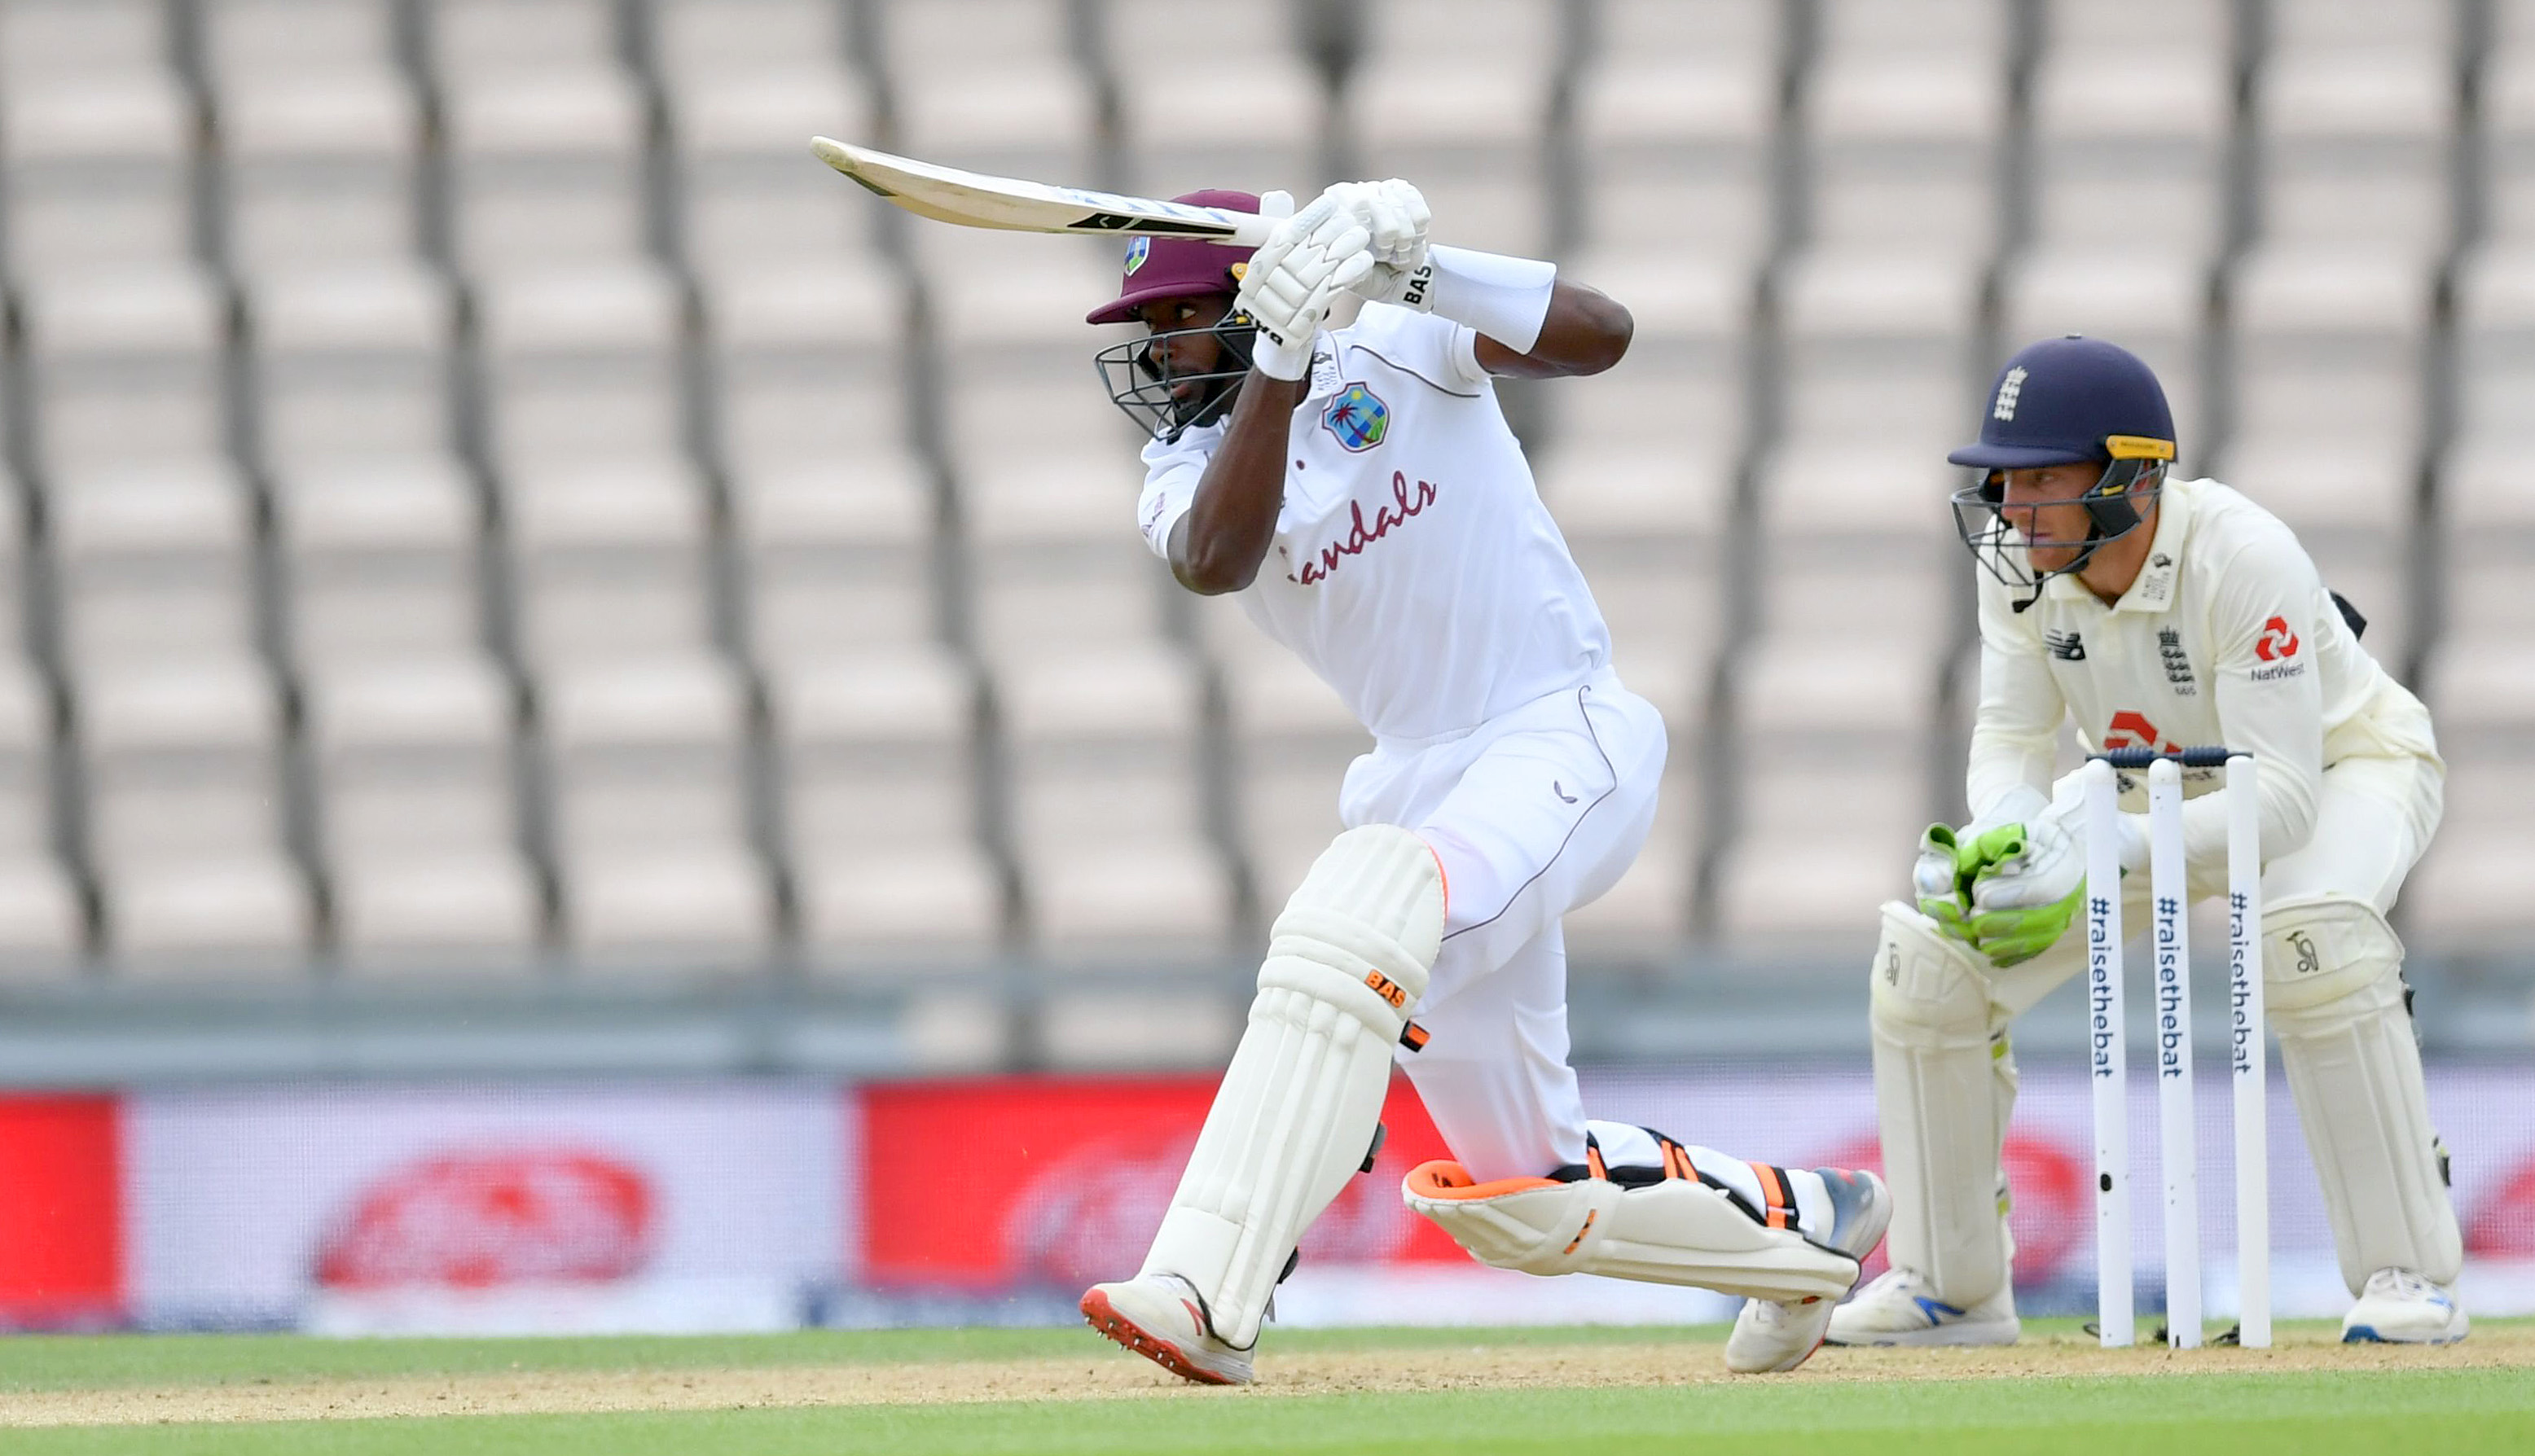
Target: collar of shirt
{"x": 2161, "y": 575}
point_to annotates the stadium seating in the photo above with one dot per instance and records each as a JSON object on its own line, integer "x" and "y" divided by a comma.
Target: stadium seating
{"x": 414, "y": 764}
{"x": 487, "y": 503}
{"x": 1251, "y": 126}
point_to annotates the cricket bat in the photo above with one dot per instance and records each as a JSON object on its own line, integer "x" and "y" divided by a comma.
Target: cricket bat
{"x": 974, "y": 200}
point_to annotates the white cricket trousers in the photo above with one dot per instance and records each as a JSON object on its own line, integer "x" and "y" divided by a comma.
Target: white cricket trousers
{"x": 1532, "y": 813}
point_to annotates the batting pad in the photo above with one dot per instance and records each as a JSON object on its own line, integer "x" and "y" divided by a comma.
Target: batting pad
{"x": 1347, "y": 962}
{"x": 1679, "y": 1231}
{"x": 2333, "y": 969}
{"x": 1944, "y": 1081}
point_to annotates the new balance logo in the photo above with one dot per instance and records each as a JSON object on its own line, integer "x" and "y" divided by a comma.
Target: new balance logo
{"x": 2064, "y": 645}
{"x": 2009, "y": 389}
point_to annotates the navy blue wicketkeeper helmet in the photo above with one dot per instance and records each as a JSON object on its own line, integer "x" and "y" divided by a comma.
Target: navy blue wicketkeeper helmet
{"x": 2065, "y": 401}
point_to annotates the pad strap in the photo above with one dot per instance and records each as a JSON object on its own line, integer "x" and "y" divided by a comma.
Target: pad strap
{"x": 1671, "y": 1231}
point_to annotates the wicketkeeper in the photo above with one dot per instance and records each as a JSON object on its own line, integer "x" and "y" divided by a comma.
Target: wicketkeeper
{"x": 2153, "y": 613}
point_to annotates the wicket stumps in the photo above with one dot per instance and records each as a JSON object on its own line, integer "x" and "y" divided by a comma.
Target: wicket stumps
{"x": 2169, "y": 915}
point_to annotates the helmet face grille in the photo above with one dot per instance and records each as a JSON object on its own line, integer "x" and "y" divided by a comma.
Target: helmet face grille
{"x": 1164, "y": 403}
{"x": 2113, "y": 510}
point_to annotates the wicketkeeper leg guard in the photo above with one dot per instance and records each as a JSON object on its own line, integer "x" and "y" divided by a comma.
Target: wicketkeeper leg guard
{"x": 1666, "y": 1221}
{"x": 2336, "y": 1000}
{"x": 1292, "y": 1121}
{"x": 1944, "y": 1081}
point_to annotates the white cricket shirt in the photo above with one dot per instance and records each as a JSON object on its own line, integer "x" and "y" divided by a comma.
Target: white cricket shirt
{"x": 1414, "y": 566}
{"x": 2228, "y": 636}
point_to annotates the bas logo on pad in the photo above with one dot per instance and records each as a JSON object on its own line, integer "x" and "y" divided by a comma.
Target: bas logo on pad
{"x": 1358, "y": 418}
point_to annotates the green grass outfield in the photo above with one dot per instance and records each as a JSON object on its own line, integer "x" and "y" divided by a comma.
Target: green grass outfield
{"x": 2454, "y": 1411}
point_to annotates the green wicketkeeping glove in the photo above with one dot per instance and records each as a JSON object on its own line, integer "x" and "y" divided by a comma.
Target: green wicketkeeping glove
{"x": 2008, "y": 937}
{"x": 2027, "y": 887}
{"x": 1942, "y": 880}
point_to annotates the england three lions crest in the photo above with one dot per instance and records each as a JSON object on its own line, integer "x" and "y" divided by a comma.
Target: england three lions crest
{"x": 1358, "y": 418}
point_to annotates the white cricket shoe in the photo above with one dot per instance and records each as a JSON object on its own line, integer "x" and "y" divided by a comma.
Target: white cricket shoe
{"x": 2401, "y": 1308}
{"x": 1772, "y": 1335}
{"x": 1162, "y": 1317}
{"x": 1899, "y": 1307}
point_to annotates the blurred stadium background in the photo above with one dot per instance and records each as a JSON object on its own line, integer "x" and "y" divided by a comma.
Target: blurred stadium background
{"x": 518, "y": 571}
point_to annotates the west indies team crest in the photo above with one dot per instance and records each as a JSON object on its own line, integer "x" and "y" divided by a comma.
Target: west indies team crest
{"x": 1139, "y": 248}
{"x": 1358, "y": 417}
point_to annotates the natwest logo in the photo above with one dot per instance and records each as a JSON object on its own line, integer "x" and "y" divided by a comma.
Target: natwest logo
{"x": 2130, "y": 729}
{"x": 2277, "y": 644}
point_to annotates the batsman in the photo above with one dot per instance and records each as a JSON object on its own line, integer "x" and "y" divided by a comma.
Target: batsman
{"x": 2153, "y": 613}
{"x": 1358, "y": 492}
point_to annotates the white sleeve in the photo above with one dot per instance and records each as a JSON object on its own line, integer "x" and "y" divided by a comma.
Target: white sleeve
{"x": 1443, "y": 352}
{"x": 2263, "y": 637}
{"x": 2015, "y": 733}
{"x": 1171, "y": 473}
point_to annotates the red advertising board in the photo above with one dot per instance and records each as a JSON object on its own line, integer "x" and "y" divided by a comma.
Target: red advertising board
{"x": 488, "y": 1219}
{"x": 61, "y": 1210}
{"x": 361, "y": 1208}
{"x": 1045, "y": 1180}
{"x": 486, "y": 1208}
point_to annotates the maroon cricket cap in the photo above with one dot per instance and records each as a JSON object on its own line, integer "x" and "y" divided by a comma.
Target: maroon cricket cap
{"x": 1177, "y": 268}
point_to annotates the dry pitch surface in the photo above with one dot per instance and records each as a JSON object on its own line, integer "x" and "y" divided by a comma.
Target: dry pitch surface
{"x": 1409, "y": 1362}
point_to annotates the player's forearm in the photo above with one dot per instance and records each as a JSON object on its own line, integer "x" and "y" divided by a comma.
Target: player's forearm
{"x": 2014, "y": 732}
{"x": 2007, "y": 776}
{"x": 2283, "y": 729}
{"x": 1225, "y": 534}
{"x": 2268, "y": 694}
{"x": 1584, "y": 331}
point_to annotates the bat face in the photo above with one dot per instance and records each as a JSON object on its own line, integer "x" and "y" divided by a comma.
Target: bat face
{"x": 974, "y": 200}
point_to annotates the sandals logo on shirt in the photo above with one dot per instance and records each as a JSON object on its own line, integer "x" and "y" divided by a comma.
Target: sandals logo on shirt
{"x": 1358, "y": 418}
{"x": 1405, "y": 504}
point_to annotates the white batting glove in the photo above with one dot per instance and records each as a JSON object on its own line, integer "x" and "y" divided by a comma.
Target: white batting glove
{"x": 1308, "y": 260}
{"x": 1506, "y": 299}
{"x": 1392, "y": 212}
{"x": 1282, "y": 239}
{"x": 1395, "y": 217}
